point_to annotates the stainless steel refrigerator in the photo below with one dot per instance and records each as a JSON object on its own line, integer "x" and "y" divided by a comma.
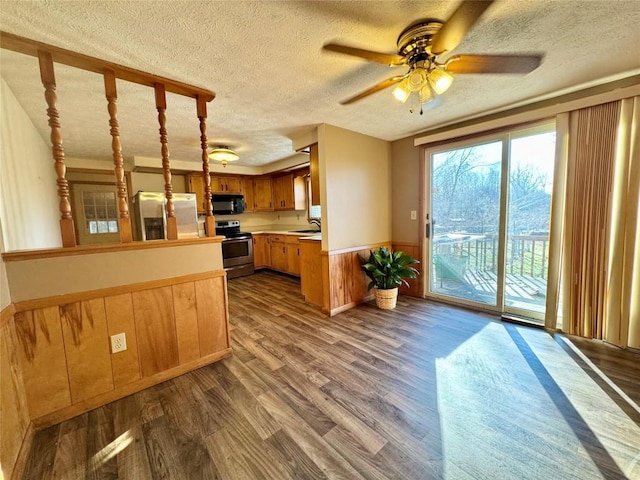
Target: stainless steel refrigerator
{"x": 150, "y": 215}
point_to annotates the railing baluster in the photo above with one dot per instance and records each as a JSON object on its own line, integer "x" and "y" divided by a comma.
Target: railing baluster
{"x": 111, "y": 92}
{"x": 201, "y": 106}
{"x": 161, "y": 105}
{"x": 47, "y": 75}
{"x": 533, "y": 255}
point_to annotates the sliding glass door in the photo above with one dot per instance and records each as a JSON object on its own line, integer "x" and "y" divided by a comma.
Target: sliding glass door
{"x": 465, "y": 220}
{"x": 531, "y": 162}
{"x": 488, "y": 204}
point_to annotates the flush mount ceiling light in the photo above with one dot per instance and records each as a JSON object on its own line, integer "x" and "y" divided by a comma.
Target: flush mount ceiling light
{"x": 223, "y": 154}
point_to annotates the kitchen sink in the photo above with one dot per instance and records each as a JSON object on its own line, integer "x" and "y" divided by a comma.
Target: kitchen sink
{"x": 305, "y": 231}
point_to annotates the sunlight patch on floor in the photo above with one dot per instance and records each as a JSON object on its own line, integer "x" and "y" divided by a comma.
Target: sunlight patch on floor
{"x": 112, "y": 449}
{"x": 500, "y": 421}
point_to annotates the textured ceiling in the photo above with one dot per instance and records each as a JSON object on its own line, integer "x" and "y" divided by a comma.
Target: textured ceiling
{"x": 265, "y": 62}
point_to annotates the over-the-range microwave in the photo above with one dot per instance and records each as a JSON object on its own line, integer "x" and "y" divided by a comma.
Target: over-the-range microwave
{"x": 227, "y": 204}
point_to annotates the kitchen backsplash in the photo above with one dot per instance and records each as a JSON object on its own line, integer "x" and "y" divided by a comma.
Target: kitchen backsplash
{"x": 257, "y": 219}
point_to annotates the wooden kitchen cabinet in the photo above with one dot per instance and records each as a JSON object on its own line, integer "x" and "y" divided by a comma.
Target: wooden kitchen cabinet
{"x": 263, "y": 192}
{"x": 314, "y": 170}
{"x": 283, "y": 192}
{"x": 293, "y": 255}
{"x": 248, "y": 191}
{"x": 311, "y": 277}
{"x": 195, "y": 184}
{"x": 261, "y": 250}
{"x": 226, "y": 184}
{"x": 289, "y": 192}
{"x": 279, "y": 260}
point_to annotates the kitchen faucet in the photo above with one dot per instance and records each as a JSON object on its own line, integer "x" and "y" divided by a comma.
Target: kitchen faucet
{"x": 316, "y": 221}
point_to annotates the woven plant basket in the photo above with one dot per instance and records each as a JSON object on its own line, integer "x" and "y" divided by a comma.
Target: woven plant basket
{"x": 386, "y": 299}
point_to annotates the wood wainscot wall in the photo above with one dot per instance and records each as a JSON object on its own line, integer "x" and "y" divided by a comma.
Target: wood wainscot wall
{"x": 15, "y": 424}
{"x": 335, "y": 281}
{"x": 56, "y": 353}
{"x": 413, "y": 249}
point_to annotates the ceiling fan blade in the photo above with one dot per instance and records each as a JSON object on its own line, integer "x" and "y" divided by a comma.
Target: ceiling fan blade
{"x": 390, "y": 59}
{"x": 376, "y": 88}
{"x": 493, "y": 63}
{"x": 453, "y": 31}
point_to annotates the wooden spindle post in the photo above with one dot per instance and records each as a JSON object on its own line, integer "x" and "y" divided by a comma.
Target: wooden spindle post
{"x": 48, "y": 78}
{"x": 161, "y": 105}
{"x": 124, "y": 221}
{"x": 210, "y": 227}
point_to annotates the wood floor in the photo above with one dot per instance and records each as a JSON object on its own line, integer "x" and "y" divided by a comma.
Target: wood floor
{"x": 423, "y": 392}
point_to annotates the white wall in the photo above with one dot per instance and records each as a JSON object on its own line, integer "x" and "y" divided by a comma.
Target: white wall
{"x": 355, "y": 188}
{"x": 5, "y": 296}
{"x": 154, "y": 182}
{"x": 28, "y": 195}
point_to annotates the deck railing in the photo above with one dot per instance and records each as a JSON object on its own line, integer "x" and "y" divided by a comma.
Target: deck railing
{"x": 526, "y": 254}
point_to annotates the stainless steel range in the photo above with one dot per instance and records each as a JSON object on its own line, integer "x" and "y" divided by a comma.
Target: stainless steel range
{"x": 237, "y": 248}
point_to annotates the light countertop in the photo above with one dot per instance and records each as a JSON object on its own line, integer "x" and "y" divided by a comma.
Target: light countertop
{"x": 284, "y": 230}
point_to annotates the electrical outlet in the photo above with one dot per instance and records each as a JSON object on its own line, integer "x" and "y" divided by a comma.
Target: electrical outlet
{"x": 118, "y": 343}
{"x": 414, "y": 215}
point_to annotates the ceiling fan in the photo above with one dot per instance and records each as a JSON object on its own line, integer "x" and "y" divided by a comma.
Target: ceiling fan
{"x": 420, "y": 45}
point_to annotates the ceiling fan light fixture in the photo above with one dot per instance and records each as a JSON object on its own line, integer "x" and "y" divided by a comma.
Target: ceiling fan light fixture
{"x": 440, "y": 80}
{"x": 402, "y": 91}
{"x": 426, "y": 94}
{"x": 223, "y": 154}
{"x": 416, "y": 79}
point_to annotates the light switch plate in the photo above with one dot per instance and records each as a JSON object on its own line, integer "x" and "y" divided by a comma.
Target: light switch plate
{"x": 414, "y": 215}
{"x": 118, "y": 343}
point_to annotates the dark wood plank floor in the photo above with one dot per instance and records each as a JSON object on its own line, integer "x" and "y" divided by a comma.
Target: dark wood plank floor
{"x": 423, "y": 392}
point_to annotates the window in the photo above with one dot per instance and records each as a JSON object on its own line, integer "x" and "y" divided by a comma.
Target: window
{"x": 100, "y": 212}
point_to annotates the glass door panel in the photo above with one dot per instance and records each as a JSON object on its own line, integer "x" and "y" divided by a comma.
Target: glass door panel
{"x": 531, "y": 164}
{"x": 465, "y": 220}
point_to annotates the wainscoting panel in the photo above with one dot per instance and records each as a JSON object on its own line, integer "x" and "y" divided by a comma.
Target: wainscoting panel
{"x": 211, "y": 298}
{"x": 413, "y": 249}
{"x": 15, "y": 431}
{"x": 43, "y": 361}
{"x": 186, "y": 312}
{"x": 64, "y": 349}
{"x": 84, "y": 329}
{"x": 346, "y": 280}
{"x": 120, "y": 319}
{"x": 156, "y": 331}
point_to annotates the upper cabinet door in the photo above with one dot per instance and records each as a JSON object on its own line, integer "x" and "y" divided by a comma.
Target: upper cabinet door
{"x": 196, "y": 185}
{"x": 218, "y": 184}
{"x": 263, "y": 194}
{"x": 315, "y": 174}
{"x": 226, "y": 184}
{"x": 248, "y": 191}
{"x": 234, "y": 185}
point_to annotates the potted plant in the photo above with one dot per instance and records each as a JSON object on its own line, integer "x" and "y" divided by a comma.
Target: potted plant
{"x": 387, "y": 271}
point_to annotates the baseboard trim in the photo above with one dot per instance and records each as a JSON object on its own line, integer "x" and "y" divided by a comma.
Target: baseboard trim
{"x": 348, "y": 306}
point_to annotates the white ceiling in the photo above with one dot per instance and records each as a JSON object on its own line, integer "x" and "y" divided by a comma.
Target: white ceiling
{"x": 265, "y": 62}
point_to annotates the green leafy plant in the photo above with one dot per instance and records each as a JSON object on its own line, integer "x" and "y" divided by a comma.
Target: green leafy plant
{"x": 388, "y": 269}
